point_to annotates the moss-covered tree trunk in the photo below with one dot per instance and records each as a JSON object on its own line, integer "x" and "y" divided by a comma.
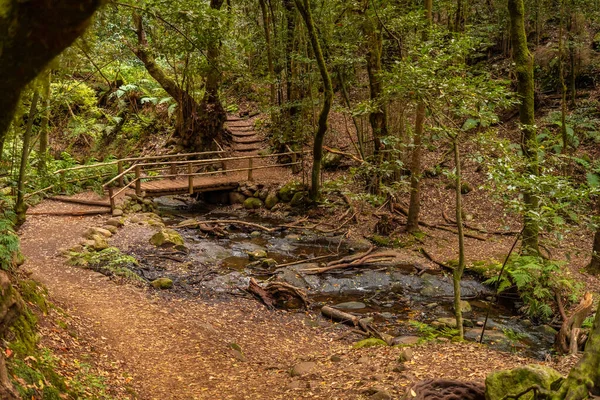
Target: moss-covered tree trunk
{"x": 44, "y": 127}
{"x": 525, "y": 88}
{"x": 378, "y": 118}
{"x": 212, "y": 115}
{"x": 594, "y": 266}
{"x": 267, "y": 29}
{"x": 31, "y": 34}
{"x": 414, "y": 207}
{"x": 194, "y": 127}
{"x": 304, "y": 9}
{"x": 460, "y": 268}
{"x": 20, "y": 206}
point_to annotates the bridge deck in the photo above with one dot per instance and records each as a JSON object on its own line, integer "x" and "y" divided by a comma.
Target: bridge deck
{"x": 181, "y": 185}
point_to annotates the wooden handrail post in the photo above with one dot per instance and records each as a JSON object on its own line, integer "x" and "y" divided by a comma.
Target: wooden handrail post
{"x": 295, "y": 168}
{"x": 173, "y": 171}
{"x": 190, "y": 179}
{"x": 138, "y": 180}
{"x": 120, "y": 171}
{"x": 111, "y": 198}
{"x": 250, "y": 169}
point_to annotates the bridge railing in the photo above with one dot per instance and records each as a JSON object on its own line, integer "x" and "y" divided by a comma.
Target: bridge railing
{"x": 188, "y": 169}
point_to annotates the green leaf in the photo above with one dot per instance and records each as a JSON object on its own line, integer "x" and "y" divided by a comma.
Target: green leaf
{"x": 593, "y": 179}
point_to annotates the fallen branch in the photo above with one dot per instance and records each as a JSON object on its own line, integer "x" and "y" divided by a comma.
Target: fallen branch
{"x": 69, "y": 213}
{"x": 476, "y": 229}
{"x": 402, "y": 211}
{"x": 255, "y": 289}
{"x": 308, "y": 260}
{"x": 341, "y": 153}
{"x": 337, "y": 315}
{"x": 277, "y": 293}
{"x": 369, "y": 259}
{"x": 238, "y": 222}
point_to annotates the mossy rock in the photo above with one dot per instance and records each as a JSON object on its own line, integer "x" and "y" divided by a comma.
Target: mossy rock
{"x": 100, "y": 242}
{"x": 110, "y": 262}
{"x": 370, "y": 342}
{"x": 287, "y": 191}
{"x": 34, "y": 293}
{"x": 298, "y": 199}
{"x": 382, "y": 241}
{"x": 271, "y": 200}
{"x": 500, "y": 384}
{"x": 167, "y": 238}
{"x": 257, "y": 255}
{"x": 162, "y": 283}
{"x": 252, "y": 203}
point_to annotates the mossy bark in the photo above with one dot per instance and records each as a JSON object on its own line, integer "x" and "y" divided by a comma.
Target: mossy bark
{"x": 594, "y": 266}
{"x": 197, "y": 124}
{"x": 304, "y": 9}
{"x": 32, "y": 33}
{"x": 525, "y": 88}
{"x": 378, "y": 118}
{"x": 460, "y": 268}
{"x": 267, "y": 29}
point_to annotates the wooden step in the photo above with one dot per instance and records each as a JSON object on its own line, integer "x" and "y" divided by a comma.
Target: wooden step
{"x": 246, "y": 149}
{"x": 249, "y": 141}
{"x": 240, "y": 125}
{"x": 242, "y": 134}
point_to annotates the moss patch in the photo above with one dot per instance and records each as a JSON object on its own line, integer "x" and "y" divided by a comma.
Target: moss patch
{"x": 109, "y": 262}
{"x": 370, "y": 342}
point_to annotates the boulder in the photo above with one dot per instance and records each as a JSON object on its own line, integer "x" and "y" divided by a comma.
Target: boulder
{"x": 465, "y": 307}
{"x": 236, "y": 198}
{"x": 271, "y": 200}
{"x": 257, "y": 255}
{"x": 500, "y": 384}
{"x": 268, "y": 263}
{"x": 405, "y": 355}
{"x": 117, "y": 212}
{"x": 116, "y": 222}
{"x": 288, "y": 190}
{"x": 252, "y": 203}
{"x": 262, "y": 194}
{"x": 167, "y": 238}
{"x": 111, "y": 229}
{"x": 298, "y": 199}
{"x": 91, "y": 232}
{"x": 162, "y": 283}
{"x": 100, "y": 242}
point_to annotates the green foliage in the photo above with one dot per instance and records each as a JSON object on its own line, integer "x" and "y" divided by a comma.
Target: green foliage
{"x": 9, "y": 241}
{"x": 537, "y": 280}
{"x": 428, "y": 332}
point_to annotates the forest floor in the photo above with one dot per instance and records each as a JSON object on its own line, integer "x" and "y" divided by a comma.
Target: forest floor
{"x": 161, "y": 347}
{"x": 147, "y": 344}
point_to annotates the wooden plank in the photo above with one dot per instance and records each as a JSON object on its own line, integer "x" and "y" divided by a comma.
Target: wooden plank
{"x": 71, "y": 200}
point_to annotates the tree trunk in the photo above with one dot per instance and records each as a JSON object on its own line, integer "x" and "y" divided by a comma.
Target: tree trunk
{"x": 32, "y": 33}
{"x": 265, "y": 17}
{"x": 315, "y": 188}
{"x": 458, "y": 271}
{"x": 20, "y": 206}
{"x": 594, "y": 267}
{"x": 378, "y": 118}
{"x": 585, "y": 376}
{"x": 197, "y": 124}
{"x": 43, "y": 145}
{"x": 525, "y": 88}
{"x": 414, "y": 208}
{"x": 292, "y": 109}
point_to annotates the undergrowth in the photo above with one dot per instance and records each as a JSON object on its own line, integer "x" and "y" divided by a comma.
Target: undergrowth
{"x": 110, "y": 262}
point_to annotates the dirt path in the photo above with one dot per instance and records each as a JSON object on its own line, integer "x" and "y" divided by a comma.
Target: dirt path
{"x": 175, "y": 349}
{"x": 180, "y": 349}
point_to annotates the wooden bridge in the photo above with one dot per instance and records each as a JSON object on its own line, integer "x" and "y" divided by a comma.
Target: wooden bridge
{"x": 188, "y": 173}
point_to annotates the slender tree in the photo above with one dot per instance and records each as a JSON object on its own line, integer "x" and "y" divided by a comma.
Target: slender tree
{"x": 414, "y": 208}
{"x": 267, "y": 29}
{"x": 525, "y": 89}
{"x": 304, "y": 9}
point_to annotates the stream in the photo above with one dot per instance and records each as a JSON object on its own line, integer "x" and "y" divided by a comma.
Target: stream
{"x": 402, "y": 303}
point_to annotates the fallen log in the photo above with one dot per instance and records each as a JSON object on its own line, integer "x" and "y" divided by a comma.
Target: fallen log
{"x": 69, "y": 213}
{"x": 337, "y": 315}
{"x": 567, "y": 339}
{"x": 84, "y": 202}
{"x": 261, "y": 294}
{"x": 341, "y": 153}
{"x": 279, "y": 294}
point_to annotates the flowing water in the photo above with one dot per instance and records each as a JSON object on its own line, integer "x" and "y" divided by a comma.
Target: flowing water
{"x": 400, "y": 302}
